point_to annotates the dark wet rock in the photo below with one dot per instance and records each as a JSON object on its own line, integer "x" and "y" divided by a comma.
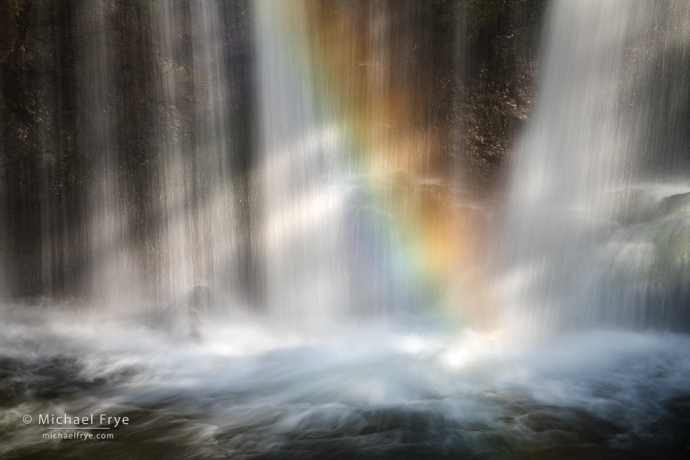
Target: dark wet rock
{"x": 630, "y": 206}
{"x": 676, "y": 202}
{"x": 185, "y": 319}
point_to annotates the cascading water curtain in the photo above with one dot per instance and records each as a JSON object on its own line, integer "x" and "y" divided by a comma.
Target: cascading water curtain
{"x": 304, "y": 189}
{"x": 569, "y": 257}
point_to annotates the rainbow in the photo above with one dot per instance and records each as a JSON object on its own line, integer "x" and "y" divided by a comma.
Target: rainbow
{"x": 395, "y": 149}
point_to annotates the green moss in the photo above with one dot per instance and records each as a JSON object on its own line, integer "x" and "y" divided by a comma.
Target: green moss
{"x": 483, "y": 16}
{"x": 673, "y": 243}
{"x": 153, "y": 6}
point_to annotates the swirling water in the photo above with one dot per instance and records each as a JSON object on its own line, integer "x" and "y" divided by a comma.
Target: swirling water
{"x": 251, "y": 389}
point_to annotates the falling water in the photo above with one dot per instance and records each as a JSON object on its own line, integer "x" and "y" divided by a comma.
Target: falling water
{"x": 583, "y": 243}
{"x": 347, "y": 195}
{"x": 110, "y": 261}
{"x": 196, "y": 240}
{"x": 156, "y": 215}
{"x": 303, "y": 179}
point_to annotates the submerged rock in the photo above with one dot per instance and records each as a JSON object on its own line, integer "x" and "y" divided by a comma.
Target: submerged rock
{"x": 186, "y": 318}
{"x": 644, "y": 263}
{"x": 677, "y": 202}
{"x": 632, "y": 206}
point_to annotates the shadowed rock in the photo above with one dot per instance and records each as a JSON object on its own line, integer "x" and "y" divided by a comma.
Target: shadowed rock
{"x": 186, "y": 318}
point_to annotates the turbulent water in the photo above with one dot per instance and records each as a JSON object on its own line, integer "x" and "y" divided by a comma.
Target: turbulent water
{"x": 588, "y": 356}
{"x": 252, "y": 390}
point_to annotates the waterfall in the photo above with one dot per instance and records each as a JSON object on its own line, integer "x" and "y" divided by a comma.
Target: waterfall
{"x": 111, "y": 275}
{"x": 196, "y": 240}
{"x": 303, "y": 178}
{"x": 138, "y": 162}
{"x": 580, "y": 243}
{"x": 276, "y": 229}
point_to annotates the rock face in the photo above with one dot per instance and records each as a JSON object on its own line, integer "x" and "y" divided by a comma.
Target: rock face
{"x": 496, "y": 87}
